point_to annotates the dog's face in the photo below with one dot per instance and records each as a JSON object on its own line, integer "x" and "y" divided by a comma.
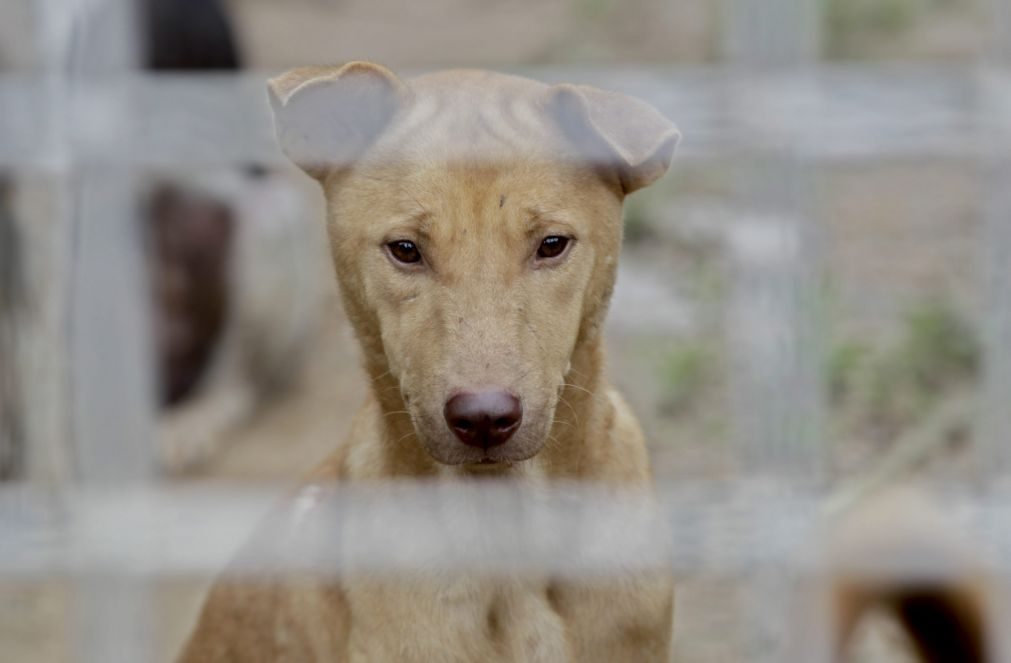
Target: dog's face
{"x": 478, "y": 279}
{"x": 475, "y": 223}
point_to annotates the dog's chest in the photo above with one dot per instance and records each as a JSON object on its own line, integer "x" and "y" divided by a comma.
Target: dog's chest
{"x": 461, "y": 620}
{"x": 452, "y": 620}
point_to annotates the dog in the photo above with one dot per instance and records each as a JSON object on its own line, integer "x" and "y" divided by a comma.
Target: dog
{"x": 475, "y": 221}
{"x": 237, "y": 280}
{"x": 941, "y": 603}
{"x": 238, "y": 293}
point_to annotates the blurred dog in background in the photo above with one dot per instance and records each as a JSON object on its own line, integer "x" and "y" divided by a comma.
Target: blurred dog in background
{"x": 940, "y": 604}
{"x": 234, "y": 291}
{"x": 235, "y": 273}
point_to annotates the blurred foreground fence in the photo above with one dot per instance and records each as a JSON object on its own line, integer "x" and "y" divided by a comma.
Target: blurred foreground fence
{"x": 89, "y": 120}
{"x": 567, "y": 530}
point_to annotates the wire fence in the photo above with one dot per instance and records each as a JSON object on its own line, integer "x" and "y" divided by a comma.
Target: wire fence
{"x": 106, "y": 521}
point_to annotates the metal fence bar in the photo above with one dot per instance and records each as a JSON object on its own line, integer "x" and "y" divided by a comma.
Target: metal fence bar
{"x": 772, "y": 327}
{"x": 994, "y": 518}
{"x": 773, "y": 33}
{"x": 773, "y": 314}
{"x": 40, "y": 328}
{"x": 731, "y": 529}
{"x": 994, "y": 141}
{"x": 999, "y": 19}
{"x": 831, "y": 113}
{"x": 110, "y": 372}
{"x": 993, "y": 437}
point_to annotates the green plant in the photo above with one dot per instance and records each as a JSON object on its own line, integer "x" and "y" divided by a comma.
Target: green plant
{"x": 847, "y": 20}
{"x": 638, "y": 227}
{"x": 938, "y": 348}
{"x": 594, "y": 9}
{"x": 684, "y": 373}
{"x": 844, "y": 367}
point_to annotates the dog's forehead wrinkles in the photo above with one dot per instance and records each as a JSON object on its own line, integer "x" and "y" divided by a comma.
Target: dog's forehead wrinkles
{"x": 464, "y": 116}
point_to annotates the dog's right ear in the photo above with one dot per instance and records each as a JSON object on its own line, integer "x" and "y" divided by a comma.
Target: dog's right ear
{"x": 326, "y": 117}
{"x": 616, "y": 130}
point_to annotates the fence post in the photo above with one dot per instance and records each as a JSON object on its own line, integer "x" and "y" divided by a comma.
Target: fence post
{"x": 773, "y": 33}
{"x": 994, "y": 433}
{"x": 995, "y": 152}
{"x": 43, "y": 339}
{"x": 773, "y": 321}
{"x": 995, "y": 442}
{"x": 111, "y": 366}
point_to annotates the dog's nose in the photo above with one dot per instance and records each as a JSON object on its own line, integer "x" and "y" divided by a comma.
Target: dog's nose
{"x": 484, "y": 419}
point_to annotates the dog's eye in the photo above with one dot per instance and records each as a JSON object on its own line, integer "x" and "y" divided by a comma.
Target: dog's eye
{"x": 552, "y": 246}
{"x": 404, "y": 251}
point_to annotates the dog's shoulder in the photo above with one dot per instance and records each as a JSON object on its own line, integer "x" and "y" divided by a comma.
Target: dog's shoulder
{"x": 261, "y": 620}
{"x": 252, "y": 614}
{"x": 626, "y": 444}
{"x": 253, "y": 617}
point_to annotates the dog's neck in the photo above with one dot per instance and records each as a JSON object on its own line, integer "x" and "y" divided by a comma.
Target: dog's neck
{"x": 580, "y": 421}
{"x": 580, "y": 424}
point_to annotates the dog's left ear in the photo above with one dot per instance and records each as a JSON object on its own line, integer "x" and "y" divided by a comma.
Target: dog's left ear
{"x": 614, "y": 129}
{"x": 327, "y": 117}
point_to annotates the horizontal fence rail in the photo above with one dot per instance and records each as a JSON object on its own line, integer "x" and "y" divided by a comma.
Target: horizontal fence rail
{"x": 703, "y": 528}
{"x": 827, "y": 113}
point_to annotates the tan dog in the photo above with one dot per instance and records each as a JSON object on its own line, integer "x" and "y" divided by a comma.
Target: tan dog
{"x": 942, "y": 600}
{"x": 475, "y": 224}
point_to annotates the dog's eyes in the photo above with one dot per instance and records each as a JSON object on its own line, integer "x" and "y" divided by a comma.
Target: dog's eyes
{"x": 552, "y": 247}
{"x": 404, "y": 251}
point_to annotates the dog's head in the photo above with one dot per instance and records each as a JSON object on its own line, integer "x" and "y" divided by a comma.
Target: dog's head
{"x": 475, "y": 223}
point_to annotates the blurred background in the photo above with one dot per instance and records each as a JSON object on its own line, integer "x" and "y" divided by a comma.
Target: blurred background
{"x": 818, "y": 290}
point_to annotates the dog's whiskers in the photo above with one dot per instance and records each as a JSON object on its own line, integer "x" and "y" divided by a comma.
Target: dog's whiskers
{"x": 380, "y": 376}
{"x": 403, "y": 437}
{"x": 577, "y": 373}
{"x": 569, "y": 405}
{"x": 576, "y": 386}
{"x": 390, "y": 388}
